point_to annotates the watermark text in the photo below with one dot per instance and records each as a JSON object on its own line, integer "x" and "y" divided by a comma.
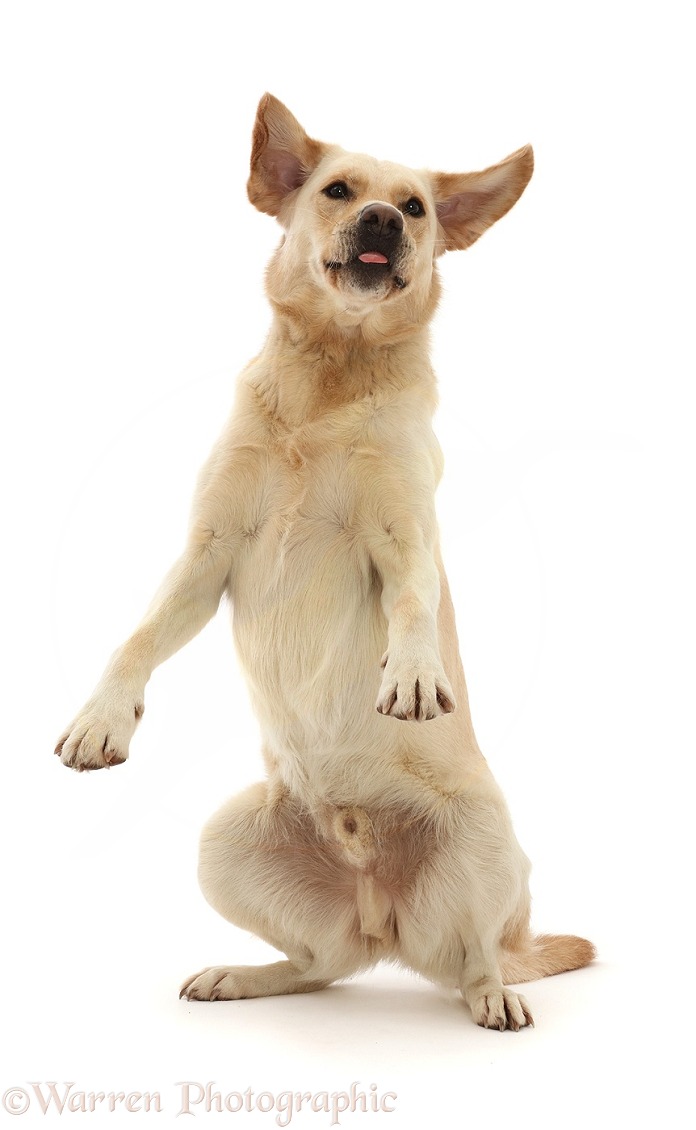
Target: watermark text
{"x": 194, "y": 1098}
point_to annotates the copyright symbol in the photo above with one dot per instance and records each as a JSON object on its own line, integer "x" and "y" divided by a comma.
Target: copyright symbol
{"x": 15, "y": 1100}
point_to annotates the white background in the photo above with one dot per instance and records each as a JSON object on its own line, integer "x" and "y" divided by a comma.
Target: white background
{"x": 132, "y": 275}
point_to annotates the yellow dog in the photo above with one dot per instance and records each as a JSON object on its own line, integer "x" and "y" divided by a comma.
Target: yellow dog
{"x": 379, "y": 832}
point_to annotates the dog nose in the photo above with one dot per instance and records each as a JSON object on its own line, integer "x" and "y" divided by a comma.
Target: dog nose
{"x": 381, "y": 218}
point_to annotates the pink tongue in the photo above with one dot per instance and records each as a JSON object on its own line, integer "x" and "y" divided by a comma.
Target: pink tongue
{"x": 372, "y": 257}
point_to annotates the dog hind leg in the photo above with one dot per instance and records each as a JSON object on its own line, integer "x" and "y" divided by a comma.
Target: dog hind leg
{"x": 264, "y": 867}
{"x": 468, "y": 895}
{"x": 481, "y": 985}
{"x": 239, "y": 982}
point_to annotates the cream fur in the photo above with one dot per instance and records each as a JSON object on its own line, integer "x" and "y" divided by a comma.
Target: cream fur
{"x": 380, "y": 832}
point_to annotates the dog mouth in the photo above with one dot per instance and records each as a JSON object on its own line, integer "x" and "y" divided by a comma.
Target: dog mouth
{"x": 368, "y": 270}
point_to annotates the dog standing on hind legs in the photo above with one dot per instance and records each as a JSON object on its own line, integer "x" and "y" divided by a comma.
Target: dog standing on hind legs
{"x": 379, "y": 832}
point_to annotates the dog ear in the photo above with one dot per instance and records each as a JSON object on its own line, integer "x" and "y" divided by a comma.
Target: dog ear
{"x": 282, "y": 156}
{"x": 468, "y": 203}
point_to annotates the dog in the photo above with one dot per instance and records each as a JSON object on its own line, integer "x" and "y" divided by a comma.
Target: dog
{"x": 379, "y": 832}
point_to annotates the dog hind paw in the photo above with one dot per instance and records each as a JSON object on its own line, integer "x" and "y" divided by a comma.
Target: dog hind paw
{"x": 217, "y": 983}
{"x": 502, "y": 1010}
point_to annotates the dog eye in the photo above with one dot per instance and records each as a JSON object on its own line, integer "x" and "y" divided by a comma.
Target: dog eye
{"x": 338, "y": 190}
{"x": 413, "y": 207}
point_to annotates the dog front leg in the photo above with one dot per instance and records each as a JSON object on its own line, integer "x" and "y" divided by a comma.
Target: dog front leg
{"x": 100, "y": 734}
{"x": 414, "y": 685}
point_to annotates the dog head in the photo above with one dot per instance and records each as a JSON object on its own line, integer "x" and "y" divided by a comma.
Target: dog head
{"x": 361, "y": 235}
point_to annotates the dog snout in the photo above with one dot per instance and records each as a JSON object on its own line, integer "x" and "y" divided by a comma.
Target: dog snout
{"x": 381, "y": 220}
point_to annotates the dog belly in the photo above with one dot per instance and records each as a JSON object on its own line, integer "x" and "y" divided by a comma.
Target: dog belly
{"x": 309, "y": 632}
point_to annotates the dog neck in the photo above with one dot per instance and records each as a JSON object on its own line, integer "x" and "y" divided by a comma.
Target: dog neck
{"x": 306, "y": 375}
{"x": 322, "y": 355}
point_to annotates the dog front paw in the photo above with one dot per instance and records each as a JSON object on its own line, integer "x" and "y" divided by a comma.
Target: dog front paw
{"x": 100, "y": 735}
{"x": 414, "y": 691}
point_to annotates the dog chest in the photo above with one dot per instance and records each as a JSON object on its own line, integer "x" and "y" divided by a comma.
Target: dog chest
{"x": 305, "y": 598}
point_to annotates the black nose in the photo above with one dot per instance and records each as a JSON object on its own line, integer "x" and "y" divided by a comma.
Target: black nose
{"x": 381, "y": 219}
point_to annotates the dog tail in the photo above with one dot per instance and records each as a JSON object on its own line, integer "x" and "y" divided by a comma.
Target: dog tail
{"x": 545, "y": 955}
